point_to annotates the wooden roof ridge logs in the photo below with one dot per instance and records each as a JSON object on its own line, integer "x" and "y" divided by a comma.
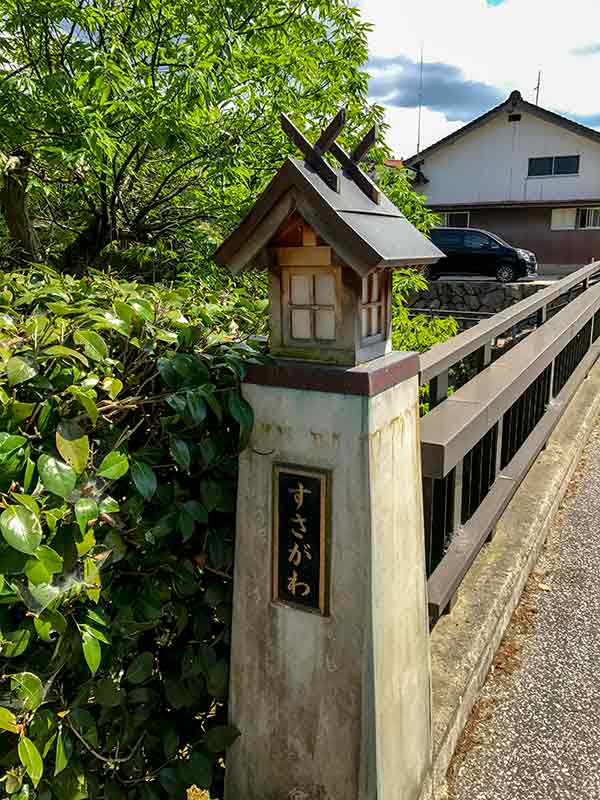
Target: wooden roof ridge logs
{"x": 343, "y": 207}
{"x": 327, "y": 143}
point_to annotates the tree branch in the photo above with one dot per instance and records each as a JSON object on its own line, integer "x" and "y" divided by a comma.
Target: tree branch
{"x": 158, "y": 201}
{"x": 98, "y": 755}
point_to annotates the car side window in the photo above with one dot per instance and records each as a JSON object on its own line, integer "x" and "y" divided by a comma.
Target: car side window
{"x": 447, "y": 239}
{"x": 476, "y": 241}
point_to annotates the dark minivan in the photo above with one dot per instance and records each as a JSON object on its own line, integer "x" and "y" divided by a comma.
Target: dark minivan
{"x": 471, "y": 251}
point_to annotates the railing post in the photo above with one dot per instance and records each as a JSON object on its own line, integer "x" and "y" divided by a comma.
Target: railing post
{"x": 438, "y": 389}
{"x": 498, "y": 464}
{"x": 541, "y": 316}
{"x": 457, "y": 499}
{"x": 428, "y": 486}
{"x": 483, "y": 357}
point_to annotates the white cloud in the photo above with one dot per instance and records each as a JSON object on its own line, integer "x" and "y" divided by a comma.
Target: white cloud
{"x": 502, "y": 46}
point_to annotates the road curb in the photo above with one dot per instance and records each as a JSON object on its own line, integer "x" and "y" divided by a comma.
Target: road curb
{"x": 463, "y": 643}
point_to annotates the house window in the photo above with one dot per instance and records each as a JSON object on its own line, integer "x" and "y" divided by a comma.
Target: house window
{"x": 569, "y": 219}
{"x": 588, "y": 218}
{"x": 553, "y": 165}
{"x": 563, "y": 219}
{"x": 372, "y": 307}
{"x": 312, "y": 304}
{"x": 455, "y": 219}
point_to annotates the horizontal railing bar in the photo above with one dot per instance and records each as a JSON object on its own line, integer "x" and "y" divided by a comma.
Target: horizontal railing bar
{"x": 444, "y": 355}
{"x": 453, "y": 428}
{"x": 466, "y": 544}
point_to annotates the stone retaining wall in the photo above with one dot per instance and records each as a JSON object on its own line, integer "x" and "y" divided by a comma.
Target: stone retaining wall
{"x": 480, "y": 296}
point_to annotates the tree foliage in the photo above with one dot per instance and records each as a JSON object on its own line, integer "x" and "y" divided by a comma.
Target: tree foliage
{"x": 120, "y": 425}
{"x": 134, "y": 133}
{"x": 154, "y": 123}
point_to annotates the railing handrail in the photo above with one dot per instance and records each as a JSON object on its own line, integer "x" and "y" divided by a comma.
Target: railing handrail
{"x": 448, "y": 575}
{"x": 442, "y": 356}
{"x": 451, "y": 429}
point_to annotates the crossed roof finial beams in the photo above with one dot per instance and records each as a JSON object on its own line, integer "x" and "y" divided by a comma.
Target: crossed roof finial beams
{"x": 313, "y": 154}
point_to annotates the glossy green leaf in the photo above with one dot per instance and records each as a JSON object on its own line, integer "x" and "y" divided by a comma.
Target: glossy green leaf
{"x": 20, "y": 369}
{"x": 64, "y": 750}
{"x": 21, "y": 529}
{"x": 108, "y": 505}
{"x": 113, "y": 387}
{"x": 8, "y": 720}
{"x": 144, "y": 479}
{"x": 86, "y": 510}
{"x": 180, "y": 452}
{"x": 42, "y": 729}
{"x": 36, "y": 572}
{"x": 21, "y": 411}
{"x": 196, "y": 407}
{"x": 140, "y": 668}
{"x": 49, "y": 625}
{"x": 31, "y": 760}
{"x": 211, "y": 493}
{"x": 177, "y": 403}
{"x": 114, "y": 466}
{"x": 91, "y": 576}
{"x": 170, "y": 743}
{"x": 26, "y": 500}
{"x": 11, "y": 443}
{"x": 60, "y": 351}
{"x": 27, "y": 689}
{"x": 92, "y": 651}
{"x": 114, "y": 322}
{"x": 196, "y": 770}
{"x": 87, "y": 402}
{"x": 242, "y": 412}
{"x": 15, "y": 643}
{"x": 52, "y": 561}
{"x": 97, "y": 616}
{"x": 93, "y": 344}
{"x": 108, "y": 693}
{"x": 143, "y": 308}
{"x": 171, "y": 782}
{"x": 56, "y": 476}
{"x": 13, "y": 786}
{"x": 95, "y": 632}
{"x": 73, "y": 445}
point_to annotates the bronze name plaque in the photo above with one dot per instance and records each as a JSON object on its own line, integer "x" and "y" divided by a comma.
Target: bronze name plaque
{"x": 300, "y": 509}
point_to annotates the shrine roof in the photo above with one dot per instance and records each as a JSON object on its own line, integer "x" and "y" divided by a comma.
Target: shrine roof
{"x": 364, "y": 233}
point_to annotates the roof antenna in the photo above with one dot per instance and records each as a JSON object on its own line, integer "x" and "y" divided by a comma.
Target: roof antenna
{"x": 537, "y": 88}
{"x": 420, "y": 102}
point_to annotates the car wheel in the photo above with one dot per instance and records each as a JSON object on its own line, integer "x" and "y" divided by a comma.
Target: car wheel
{"x": 505, "y": 273}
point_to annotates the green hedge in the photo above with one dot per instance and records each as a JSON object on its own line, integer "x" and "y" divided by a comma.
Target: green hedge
{"x": 120, "y": 424}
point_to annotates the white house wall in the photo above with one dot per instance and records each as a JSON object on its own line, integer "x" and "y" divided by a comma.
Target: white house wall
{"x": 490, "y": 164}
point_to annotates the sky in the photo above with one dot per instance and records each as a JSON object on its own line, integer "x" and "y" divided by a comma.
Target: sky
{"x": 475, "y": 52}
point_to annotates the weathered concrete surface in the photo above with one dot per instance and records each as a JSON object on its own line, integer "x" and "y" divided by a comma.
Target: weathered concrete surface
{"x": 534, "y": 735}
{"x": 464, "y": 642}
{"x": 337, "y": 707}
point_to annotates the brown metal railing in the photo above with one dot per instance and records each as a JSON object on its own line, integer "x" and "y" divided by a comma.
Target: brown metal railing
{"x": 478, "y": 443}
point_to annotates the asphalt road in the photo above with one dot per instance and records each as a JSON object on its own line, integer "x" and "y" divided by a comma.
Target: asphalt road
{"x": 535, "y": 733}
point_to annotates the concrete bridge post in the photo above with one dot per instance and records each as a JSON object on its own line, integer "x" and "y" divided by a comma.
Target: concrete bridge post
{"x": 330, "y": 681}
